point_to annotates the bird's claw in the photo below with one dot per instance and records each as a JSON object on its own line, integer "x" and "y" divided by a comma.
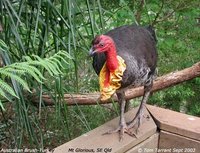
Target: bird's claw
{"x": 122, "y": 129}
{"x": 135, "y": 123}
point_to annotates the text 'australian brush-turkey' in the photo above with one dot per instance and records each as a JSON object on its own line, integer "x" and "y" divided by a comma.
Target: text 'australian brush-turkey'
{"x": 125, "y": 57}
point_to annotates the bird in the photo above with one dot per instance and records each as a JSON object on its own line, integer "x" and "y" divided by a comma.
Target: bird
{"x": 125, "y": 57}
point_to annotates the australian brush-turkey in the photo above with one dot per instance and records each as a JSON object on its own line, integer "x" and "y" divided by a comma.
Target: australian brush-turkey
{"x": 125, "y": 57}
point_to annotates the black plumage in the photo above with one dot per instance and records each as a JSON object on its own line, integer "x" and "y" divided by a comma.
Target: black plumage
{"x": 137, "y": 46}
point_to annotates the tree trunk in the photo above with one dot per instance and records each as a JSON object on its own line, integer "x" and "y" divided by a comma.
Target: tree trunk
{"x": 160, "y": 83}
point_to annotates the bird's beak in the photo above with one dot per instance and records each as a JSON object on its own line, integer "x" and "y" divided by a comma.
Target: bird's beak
{"x": 92, "y": 52}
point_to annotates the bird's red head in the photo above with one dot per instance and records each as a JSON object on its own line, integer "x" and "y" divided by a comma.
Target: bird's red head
{"x": 101, "y": 44}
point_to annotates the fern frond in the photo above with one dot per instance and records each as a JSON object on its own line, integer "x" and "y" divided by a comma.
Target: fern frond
{"x": 35, "y": 70}
{"x": 65, "y": 54}
{"x": 7, "y": 88}
{"x": 58, "y": 62}
{"x": 44, "y": 64}
{"x": 60, "y": 57}
{"x": 56, "y": 65}
{"x": 28, "y": 58}
{"x": 53, "y": 67}
{"x": 16, "y": 77}
{"x": 1, "y": 106}
{"x": 29, "y": 69}
{"x": 3, "y": 94}
{"x": 3, "y": 46}
{"x": 13, "y": 70}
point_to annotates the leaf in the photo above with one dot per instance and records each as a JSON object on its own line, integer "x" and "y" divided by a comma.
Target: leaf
{"x": 13, "y": 10}
{"x": 65, "y": 54}
{"x": 11, "y": 69}
{"x": 15, "y": 77}
{"x": 56, "y": 66}
{"x": 3, "y": 94}
{"x": 47, "y": 65}
{"x": 59, "y": 56}
{"x": 3, "y": 46}
{"x": 1, "y": 106}
{"x": 7, "y": 88}
{"x": 31, "y": 70}
{"x": 58, "y": 62}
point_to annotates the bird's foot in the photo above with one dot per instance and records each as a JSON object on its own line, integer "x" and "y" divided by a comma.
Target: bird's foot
{"x": 136, "y": 122}
{"x": 123, "y": 128}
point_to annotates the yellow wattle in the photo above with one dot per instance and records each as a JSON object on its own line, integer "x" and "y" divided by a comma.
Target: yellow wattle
{"x": 114, "y": 80}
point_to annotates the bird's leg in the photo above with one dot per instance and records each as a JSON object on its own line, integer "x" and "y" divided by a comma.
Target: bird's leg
{"x": 123, "y": 128}
{"x": 139, "y": 115}
{"x": 127, "y": 105}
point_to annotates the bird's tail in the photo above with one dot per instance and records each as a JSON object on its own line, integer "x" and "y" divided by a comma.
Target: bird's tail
{"x": 152, "y": 32}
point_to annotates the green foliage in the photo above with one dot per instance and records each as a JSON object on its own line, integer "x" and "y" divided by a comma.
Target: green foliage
{"x": 172, "y": 98}
{"x": 18, "y": 71}
{"x": 16, "y": 77}
{"x": 178, "y": 48}
{"x": 52, "y": 38}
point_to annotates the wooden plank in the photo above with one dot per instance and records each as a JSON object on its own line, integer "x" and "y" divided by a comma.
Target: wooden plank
{"x": 94, "y": 141}
{"x": 175, "y": 122}
{"x": 170, "y": 142}
{"x": 150, "y": 145}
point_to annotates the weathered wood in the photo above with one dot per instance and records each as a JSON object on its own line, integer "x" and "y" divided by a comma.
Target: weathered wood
{"x": 162, "y": 82}
{"x": 170, "y": 142}
{"x": 94, "y": 140}
{"x": 175, "y": 122}
{"x": 150, "y": 145}
{"x": 178, "y": 133}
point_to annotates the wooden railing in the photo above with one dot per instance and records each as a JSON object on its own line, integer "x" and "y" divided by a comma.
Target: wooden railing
{"x": 161, "y": 131}
{"x": 160, "y": 83}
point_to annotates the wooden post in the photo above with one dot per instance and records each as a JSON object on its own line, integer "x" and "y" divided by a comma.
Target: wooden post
{"x": 179, "y": 132}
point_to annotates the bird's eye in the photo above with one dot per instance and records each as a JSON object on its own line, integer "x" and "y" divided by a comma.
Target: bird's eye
{"x": 101, "y": 45}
